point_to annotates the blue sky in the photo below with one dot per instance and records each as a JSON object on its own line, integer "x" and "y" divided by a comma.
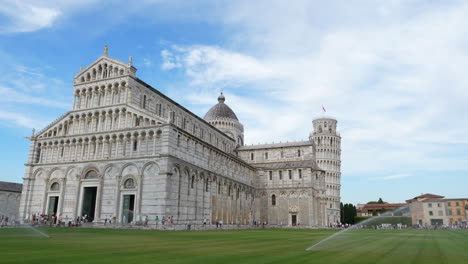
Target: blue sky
{"x": 393, "y": 73}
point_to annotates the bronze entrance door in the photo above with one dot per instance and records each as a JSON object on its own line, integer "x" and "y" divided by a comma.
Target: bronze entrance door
{"x": 89, "y": 202}
{"x": 294, "y": 220}
{"x": 53, "y": 205}
{"x": 128, "y": 208}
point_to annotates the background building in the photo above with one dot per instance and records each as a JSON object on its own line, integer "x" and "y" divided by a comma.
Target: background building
{"x": 457, "y": 210}
{"x": 377, "y": 209}
{"x": 10, "y": 195}
{"x": 433, "y": 210}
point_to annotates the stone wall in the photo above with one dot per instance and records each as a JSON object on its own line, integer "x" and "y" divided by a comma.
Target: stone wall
{"x": 9, "y": 204}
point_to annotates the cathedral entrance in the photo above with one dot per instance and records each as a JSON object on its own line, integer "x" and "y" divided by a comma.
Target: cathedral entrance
{"x": 128, "y": 208}
{"x": 53, "y": 205}
{"x": 293, "y": 220}
{"x": 89, "y": 202}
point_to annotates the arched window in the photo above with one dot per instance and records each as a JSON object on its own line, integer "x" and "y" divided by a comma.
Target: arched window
{"x": 129, "y": 184}
{"x": 92, "y": 174}
{"x": 298, "y": 152}
{"x": 273, "y": 200}
{"x": 193, "y": 181}
{"x": 55, "y": 186}
{"x": 251, "y": 156}
{"x": 144, "y": 102}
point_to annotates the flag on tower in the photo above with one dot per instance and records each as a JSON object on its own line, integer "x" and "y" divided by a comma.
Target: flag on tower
{"x": 323, "y": 107}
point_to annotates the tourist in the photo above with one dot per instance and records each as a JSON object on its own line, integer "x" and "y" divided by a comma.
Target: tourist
{"x": 221, "y": 224}
{"x": 171, "y": 219}
{"x": 146, "y": 221}
{"x": 217, "y": 223}
{"x": 157, "y": 221}
{"x": 163, "y": 221}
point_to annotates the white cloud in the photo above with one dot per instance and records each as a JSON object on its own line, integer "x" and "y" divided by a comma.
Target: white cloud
{"x": 391, "y": 177}
{"x": 33, "y": 15}
{"x": 10, "y": 95}
{"x": 22, "y": 119}
{"x": 214, "y": 66}
{"x": 26, "y": 16}
{"x": 394, "y": 80}
{"x": 147, "y": 62}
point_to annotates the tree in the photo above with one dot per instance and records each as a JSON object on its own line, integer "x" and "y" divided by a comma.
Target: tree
{"x": 342, "y": 213}
{"x": 380, "y": 201}
{"x": 348, "y": 213}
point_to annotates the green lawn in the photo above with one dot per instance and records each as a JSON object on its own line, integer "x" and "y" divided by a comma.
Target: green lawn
{"x": 237, "y": 246}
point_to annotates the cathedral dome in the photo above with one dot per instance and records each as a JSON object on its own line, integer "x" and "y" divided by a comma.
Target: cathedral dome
{"x": 220, "y": 111}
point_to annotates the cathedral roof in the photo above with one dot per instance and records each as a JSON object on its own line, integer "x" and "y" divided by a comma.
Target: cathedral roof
{"x": 220, "y": 111}
{"x": 11, "y": 186}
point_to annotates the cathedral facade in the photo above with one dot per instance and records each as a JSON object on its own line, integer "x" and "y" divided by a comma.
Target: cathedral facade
{"x": 126, "y": 151}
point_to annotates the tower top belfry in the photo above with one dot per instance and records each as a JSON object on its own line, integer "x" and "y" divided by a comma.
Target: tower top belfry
{"x": 325, "y": 125}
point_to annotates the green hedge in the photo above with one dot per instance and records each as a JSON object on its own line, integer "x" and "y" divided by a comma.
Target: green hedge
{"x": 405, "y": 220}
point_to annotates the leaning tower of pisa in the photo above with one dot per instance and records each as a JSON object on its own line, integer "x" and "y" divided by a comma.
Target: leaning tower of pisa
{"x": 328, "y": 155}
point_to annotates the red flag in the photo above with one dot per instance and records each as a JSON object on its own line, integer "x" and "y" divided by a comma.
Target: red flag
{"x": 324, "y": 108}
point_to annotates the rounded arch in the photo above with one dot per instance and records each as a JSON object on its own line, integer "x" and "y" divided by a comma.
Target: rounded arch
{"x": 150, "y": 168}
{"x": 88, "y": 169}
{"x": 38, "y": 173}
{"x": 55, "y": 173}
{"x": 130, "y": 168}
{"x": 176, "y": 170}
{"x": 186, "y": 171}
{"x": 69, "y": 173}
{"x": 107, "y": 171}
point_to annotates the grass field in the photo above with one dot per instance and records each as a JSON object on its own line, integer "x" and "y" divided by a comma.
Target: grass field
{"x": 236, "y": 246}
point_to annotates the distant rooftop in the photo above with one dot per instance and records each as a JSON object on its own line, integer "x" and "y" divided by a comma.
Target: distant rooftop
{"x": 424, "y": 197}
{"x": 382, "y": 206}
{"x": 428, "y": 195}
{"x": 11, "y": 186}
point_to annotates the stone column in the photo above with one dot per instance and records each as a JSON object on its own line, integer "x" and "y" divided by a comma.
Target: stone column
{"x": 139, "y": 195}
{"x": 99, "y": 199}
{"x": 154, "y": 144}
{"x": 117, "y": 198}
{"x": 63, "y": 183}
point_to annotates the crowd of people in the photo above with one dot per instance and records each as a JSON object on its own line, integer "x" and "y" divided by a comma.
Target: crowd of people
{"x": 59, "y": 221}
{"x": 4, "y": 220}
{"x": 462, "y": 225}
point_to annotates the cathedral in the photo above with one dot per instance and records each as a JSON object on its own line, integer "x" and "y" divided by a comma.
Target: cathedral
{"x": 125, "y": 151}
